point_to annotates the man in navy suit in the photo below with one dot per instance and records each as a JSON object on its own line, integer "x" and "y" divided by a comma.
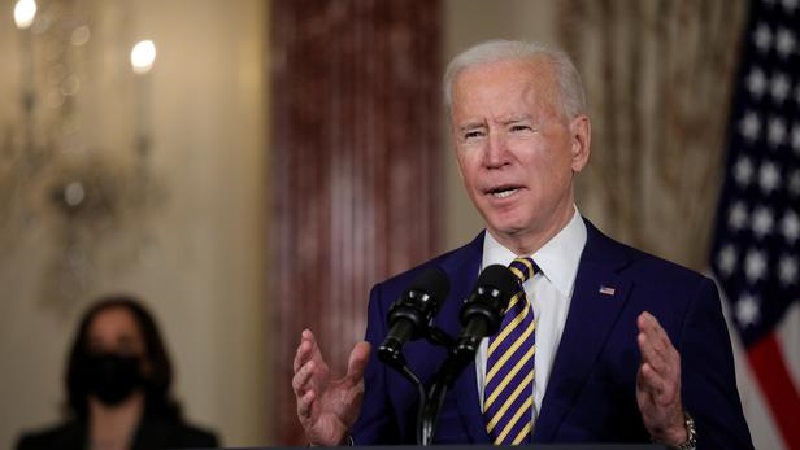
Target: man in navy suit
{"x": 628, "y": 347}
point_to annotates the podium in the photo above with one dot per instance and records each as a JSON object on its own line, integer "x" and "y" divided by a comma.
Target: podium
{"x": 477, "y": 447}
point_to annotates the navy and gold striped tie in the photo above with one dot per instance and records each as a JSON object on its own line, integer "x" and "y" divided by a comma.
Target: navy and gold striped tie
{"x": 508, "y": 393}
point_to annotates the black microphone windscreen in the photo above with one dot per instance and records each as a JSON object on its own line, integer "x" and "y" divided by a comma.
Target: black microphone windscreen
{"x": 434, "y": 282}
{"x": 499, "y": 277}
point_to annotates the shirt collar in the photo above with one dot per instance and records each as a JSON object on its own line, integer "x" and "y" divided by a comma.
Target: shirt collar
{"x": 558, "y": 258}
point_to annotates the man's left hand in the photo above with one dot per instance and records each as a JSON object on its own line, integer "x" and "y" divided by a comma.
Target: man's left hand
{"x": 658, "y": 383}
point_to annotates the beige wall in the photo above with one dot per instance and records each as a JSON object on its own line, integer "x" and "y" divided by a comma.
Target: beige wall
{"x": 203, "y": 272}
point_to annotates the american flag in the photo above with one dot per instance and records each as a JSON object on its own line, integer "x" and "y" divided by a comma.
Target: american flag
{"x": 756, "y": 251}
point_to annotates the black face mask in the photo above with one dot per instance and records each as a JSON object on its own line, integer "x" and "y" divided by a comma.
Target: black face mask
{"x": 112, "y": 378}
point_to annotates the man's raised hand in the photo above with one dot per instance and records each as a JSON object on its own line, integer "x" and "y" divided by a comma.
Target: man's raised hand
{"x": 658, "y": 383}
{"x": 327, "y": 407}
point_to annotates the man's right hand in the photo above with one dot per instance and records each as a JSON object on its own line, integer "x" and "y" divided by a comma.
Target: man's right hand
{"x": 327, "y": 408}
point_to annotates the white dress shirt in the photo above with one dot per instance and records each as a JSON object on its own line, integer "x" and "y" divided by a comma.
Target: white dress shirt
{"x": 549, "y": 292}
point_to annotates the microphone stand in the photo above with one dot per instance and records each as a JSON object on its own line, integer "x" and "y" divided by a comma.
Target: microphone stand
{"x": 397, "y": 362}
{"x": 461, "y": 354}
{"x": 442, "y": 381}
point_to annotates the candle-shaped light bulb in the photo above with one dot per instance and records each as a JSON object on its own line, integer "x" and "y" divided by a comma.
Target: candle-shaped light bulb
{"x": 142, "y": 56}
{"x": 24, "y": 12}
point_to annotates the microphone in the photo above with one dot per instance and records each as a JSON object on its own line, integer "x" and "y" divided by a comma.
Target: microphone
{"x": 481, "y": 316}
{"x": 482, "y": 311}
{"x": 412, "y": 314}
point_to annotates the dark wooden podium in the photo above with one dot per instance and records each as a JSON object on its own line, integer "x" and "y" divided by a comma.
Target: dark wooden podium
{"x": 478, "y": 447}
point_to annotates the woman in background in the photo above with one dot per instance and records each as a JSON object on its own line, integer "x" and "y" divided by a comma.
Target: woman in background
{"x": 118, "y": 382}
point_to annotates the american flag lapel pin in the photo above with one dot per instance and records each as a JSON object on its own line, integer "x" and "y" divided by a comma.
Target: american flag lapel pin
{"x": 607, "y": 290}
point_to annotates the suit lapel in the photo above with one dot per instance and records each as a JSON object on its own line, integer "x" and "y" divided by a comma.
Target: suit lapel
{"x": 462, "y": 270}
{"x": 598, "y": 298}
{"x": 594, "y": 309}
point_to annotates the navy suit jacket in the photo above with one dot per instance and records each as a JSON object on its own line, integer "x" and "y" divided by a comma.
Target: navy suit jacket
{"x": 590, "y": 396}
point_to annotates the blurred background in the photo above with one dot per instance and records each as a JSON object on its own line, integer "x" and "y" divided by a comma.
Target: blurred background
{"x": 250, "y": 168}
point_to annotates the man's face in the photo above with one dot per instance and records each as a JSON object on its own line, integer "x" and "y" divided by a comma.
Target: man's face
{"x": 517, "y": 151}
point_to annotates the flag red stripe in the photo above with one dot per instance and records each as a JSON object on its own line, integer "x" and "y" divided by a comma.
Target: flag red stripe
{"x": 766, "y": 360}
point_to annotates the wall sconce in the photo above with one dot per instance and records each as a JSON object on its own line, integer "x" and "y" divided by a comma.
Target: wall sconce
{"x": 59, "y": 174}
{"x": 24, "y": 13}
{"x": 143, "y": 55}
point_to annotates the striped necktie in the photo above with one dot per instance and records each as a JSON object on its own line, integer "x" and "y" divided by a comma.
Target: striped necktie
{"x": 508, "y": 393}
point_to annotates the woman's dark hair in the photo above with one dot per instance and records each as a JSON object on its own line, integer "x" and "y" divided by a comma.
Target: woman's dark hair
{"x": 158, "y": 380}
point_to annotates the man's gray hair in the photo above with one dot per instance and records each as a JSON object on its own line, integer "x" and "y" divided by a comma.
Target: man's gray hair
{"x": 573, "y": 97}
